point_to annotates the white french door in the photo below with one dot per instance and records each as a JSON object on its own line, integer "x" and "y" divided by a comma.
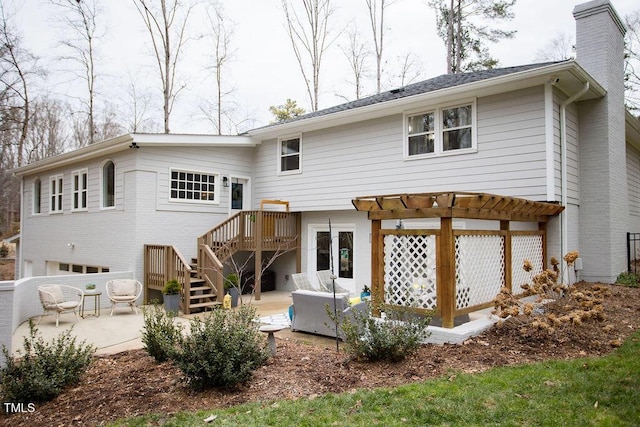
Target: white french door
{"x": 333, "y": 251}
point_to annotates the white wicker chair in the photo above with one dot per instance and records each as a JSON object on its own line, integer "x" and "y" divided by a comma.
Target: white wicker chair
{"x": 124, "y": 291}
{"x": 327, "y": 281}
{"x": 61, "y": 299}
{"x": 301, "y": 282}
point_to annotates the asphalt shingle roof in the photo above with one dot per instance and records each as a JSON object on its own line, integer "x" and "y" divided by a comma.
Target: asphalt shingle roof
{"x": 437, "y": 83}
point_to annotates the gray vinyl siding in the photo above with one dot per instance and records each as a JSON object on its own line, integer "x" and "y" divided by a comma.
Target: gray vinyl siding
{"x": 573, "y": 177}
{"x": 633, "y": 183}
{"x": 366, "y": 158}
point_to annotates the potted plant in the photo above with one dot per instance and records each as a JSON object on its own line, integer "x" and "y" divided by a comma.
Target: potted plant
{"x": 366, "y": 292}
{"x": 171, "y": 296}
{"x": 232, "y": 287}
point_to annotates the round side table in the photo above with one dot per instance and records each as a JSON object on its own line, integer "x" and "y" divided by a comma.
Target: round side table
{"x": 96, "y": 303}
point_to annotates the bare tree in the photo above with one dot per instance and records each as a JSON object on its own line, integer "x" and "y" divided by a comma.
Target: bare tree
{"x": 16, "y": 66}
{"x": 220, "y": 37}
{"x": 48, "y": 131}
{"x": 166, "y": 21}
{"x": 410, "y": 69}
{"x": 464, "y": 38}
{"x": 632, "y": 61}
{"x": 356, "y": 53}
{"x": 137, "y": 108}
{"x": 559, "y": 48}
{"x": 79, "y": 18}
{"x": 310, "y": 37}
{"x": 376, "y": 18}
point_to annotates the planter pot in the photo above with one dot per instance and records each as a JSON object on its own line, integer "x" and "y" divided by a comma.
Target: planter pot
{"x": 235, "y": 293}
{"x": 171, "y": 303}
{"x": 365, "y": 295}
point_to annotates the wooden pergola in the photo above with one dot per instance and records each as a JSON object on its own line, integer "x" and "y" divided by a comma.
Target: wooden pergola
{"x": 446, "y": 206}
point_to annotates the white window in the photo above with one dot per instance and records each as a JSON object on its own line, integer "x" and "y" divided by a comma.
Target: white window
{"x": 80, "y": 184}
{"x": 289, "y": 154}
{"x": 37, "y": 196}
{"x": 194, "y": 186}
{"x": 108, "y": 185}
{"x": 446, "y": 130}
{"x": 55, "y": 193}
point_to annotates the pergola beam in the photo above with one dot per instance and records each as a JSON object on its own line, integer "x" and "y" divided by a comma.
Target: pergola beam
{"x": 456, "y": 205}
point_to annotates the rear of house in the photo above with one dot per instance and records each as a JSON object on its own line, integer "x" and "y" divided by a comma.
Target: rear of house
{"x": 534, "y": 132}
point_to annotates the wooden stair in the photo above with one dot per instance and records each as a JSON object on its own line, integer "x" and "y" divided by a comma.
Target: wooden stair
{"x": 202, "y": 296}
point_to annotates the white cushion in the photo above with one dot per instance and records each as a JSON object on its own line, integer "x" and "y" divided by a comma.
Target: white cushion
{"x": 52, "y": 295}
{"x": 123, "y": 287}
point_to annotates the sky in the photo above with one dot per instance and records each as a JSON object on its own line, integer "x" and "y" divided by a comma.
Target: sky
{"x": 264, "y": 71}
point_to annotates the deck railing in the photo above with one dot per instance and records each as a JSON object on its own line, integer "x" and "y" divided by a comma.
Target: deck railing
{"x": 246, "y": 231}
{"x": 252, "y": 230}
{"x": 163, "y": 263}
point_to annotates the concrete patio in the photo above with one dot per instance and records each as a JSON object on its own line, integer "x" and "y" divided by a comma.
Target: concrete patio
{"x": 123, "y": 330}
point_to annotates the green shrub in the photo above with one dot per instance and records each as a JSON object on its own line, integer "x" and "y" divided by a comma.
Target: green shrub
{"x": 160, "y": 333}
{"x": 172, "y": 287}
{"x": 222, "y": 349}
{"x": 44, "y": 370}
{"x": 628, "y": 279}
{"x": 232, "y": 281}
{"x": 4, "y": 251}
{"x": 393, "y": 338}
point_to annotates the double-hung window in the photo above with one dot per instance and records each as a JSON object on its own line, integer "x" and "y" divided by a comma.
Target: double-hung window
{"x": 445, "y": 130}
{"x": 80, "y": 181}
{"x": 37, "y": 196}
{"x": 289, "y": 155}
{"x": 55, "y": 193}
{"x": 193, "y": 186}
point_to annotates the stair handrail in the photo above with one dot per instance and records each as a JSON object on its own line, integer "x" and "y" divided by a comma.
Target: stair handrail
{"x": 173, "y": 266}
{"x": 210, "y": 269}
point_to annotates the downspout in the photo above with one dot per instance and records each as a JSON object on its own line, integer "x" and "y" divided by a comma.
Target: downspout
{"x": 563, "y": 166}
{"x": 19, "y": 258}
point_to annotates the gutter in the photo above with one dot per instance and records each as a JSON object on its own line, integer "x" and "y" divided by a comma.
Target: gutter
{"x": 563, "y": 167}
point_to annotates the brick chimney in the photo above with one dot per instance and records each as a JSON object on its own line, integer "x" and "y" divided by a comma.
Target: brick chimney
{"x": 604, "y": 208}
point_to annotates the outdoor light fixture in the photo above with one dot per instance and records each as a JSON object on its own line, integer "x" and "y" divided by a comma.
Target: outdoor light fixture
{"x": 71, "y": 245}
{"x": 225, "y": 181}
{"x": 134, "y": 146}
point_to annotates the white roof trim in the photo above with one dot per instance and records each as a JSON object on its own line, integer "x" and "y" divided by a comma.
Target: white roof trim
{"x": 122, "y": 143}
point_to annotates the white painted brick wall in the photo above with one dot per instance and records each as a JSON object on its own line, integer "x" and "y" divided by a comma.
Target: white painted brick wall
{"x": 603, "y": 216}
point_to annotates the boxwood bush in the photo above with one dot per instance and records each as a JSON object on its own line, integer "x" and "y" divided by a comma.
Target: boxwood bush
{"x": 222, "y": 349}
{"x": 41, "y": 371}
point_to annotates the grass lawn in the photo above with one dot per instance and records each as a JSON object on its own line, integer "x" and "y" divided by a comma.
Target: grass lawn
{"x": 584, "y": 392}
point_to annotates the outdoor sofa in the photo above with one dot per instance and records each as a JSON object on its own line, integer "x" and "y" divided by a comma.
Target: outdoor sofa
{"x": 310, "y": 311}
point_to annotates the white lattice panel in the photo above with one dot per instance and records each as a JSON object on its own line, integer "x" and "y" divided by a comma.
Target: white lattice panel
{"x": 525, "y": 247}
{"x": 479, "y": 269}
{"x": 410, "y": 271}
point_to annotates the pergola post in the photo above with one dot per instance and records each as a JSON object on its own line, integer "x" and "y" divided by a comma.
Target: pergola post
{"x": 377, "y": 273}
{"x": 508, "y": 274}
{"x": 446, "y": 273}
{"x": 542, "y": 226}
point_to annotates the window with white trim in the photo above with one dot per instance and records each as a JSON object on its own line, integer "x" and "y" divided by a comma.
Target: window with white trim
{"x": 108, "y": 185}
{"x": 55, "y": 193}
{"x": 37, "y": 196}
{"x": 289, "y": 154}
{"x": 80, "y": 180}
{"x": 193, "y": 186}
{"x": 443, "y": 131}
